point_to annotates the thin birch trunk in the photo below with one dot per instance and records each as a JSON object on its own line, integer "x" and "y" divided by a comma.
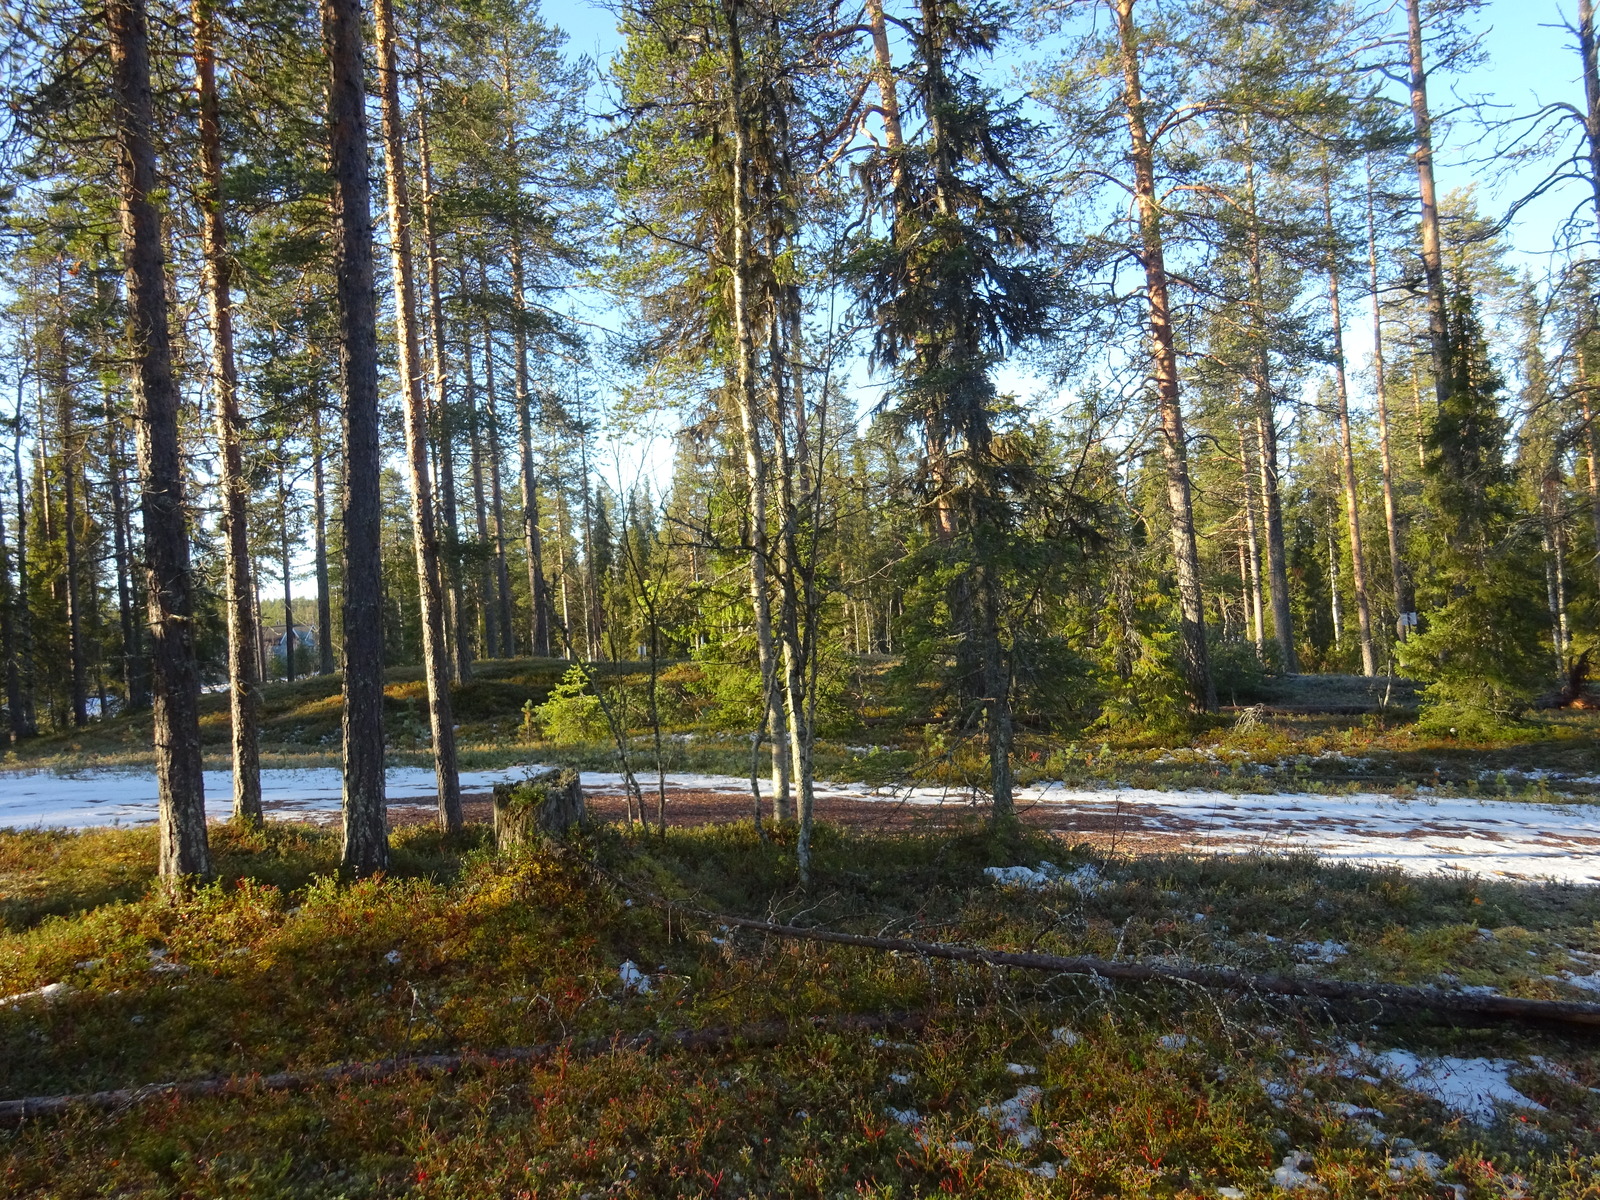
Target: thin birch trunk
{"x": 133, "y": 681}
{"x": 320, "y": 549}
{"x": 745, "y": 395}
{"x": 76, "y": 651}
{"x": 1347, "y": 461}
{"x": 24, "y": 718}
{"x": 1391, "y": 522}
{"x": 1257, "y": 605}
{"x": 1267, "y": 439}
{"x": 455, "y": 602}
{"x": 288, "y": 578}
{"x": 499, "y": 570}
{"x": 538, "y": 593}
{"x": 430, "y": 585}
{"x": 488, "y": 610}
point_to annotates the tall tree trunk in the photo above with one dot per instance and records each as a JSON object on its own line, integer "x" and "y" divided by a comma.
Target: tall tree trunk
{"x": 319, "y": 504}
{"x": 1432, "y": 263}
{"x": 244, "y": 685}
{"x": 366, "y": 839}
{"x": 1397, "y": 571}
{"x": 24, "y": 719}
{"x": 488, "y": 610}
{"x": 1555, "y": 563}
{"x": 435, "y": 649}
{"x": 497, "y": 510}
{"x": 180, "y": 776}
{"x": 444, "y": 425}
{"x": 133, "y": 682}
{"x": 1267, "y": 438}
{"x": 1591, "y": 448}
{"x": 746, "y": 397}
{"x": 1590, "y": 54}
{"x": 8, "y": 631}
{"x": 76, "y": 651}
{"x": 1352, "y": 499}
{"x": 1195, "y": 654}
{"x": 538, "y": 598}
{"x": 288, "y": 578}
{"x": 1257, "y": 606}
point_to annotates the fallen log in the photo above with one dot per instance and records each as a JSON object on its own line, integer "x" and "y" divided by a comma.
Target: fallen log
{"x": 1389, "y": 995}
{"x": 759, "y": 1033}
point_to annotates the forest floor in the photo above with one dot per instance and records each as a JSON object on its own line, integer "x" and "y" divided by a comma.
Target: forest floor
{"x": 1310, "y": 733}
{"x": 998, "y": 1083}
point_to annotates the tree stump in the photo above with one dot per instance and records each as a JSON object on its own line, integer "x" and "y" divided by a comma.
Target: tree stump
{"x": 550, "y": 802}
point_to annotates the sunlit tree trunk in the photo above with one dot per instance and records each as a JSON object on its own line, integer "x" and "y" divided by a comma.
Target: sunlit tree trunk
{"x": 184, "y": 851}
{"x": 1195, "y": 654}
{"x": 24, "y": 721}
{"x": 1258, "y": 623}
{"x": 284, "y": 549}
{"x": 488, "y": 610}
{"x": 320, "y": 549}
{"x": 1352, "y": 499}
{"x": 747, "y": 399}
{"x": 1381, "y": 389}
{"x": 430, "y": 587}
{"x": 497, "y": 502}
{"x": 366, "y": 840}
{"x": 244, "y": 685}
{"x": 444, "y": 426}
{"x": 1432, "y": 263}
{"x": 76, "y": 650}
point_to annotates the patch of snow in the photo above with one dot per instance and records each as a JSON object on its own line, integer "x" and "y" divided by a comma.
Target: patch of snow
{"x": 1414, "y": 1162}
{"x": 1012, "y": 1116}
{"x": 1323, "y": 952}
{"x": 1019, "y": 877}
{"x": 1231, "y": 1193}
{"x": 633, "y": 979}
{"x": 1021, "y": 1069}
{"x": 392, "y": 958}
{"x": 1470, "y": 1087}
{"x": 1062, "y": 1036}
{"x": 1588, "y": 983}
{"x": 904, "y": 1116}
{"x": 1046, "y": 1170}
{"x": 1422, "y": 835}
{"x": 49, "y": 993}
{"x": 1292, "y": 1176}
{"x": 901, "y": 1078}
{"x": 1173, "y": 1041}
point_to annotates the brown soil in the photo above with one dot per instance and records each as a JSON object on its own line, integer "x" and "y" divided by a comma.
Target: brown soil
{"x": 1125, "y": 831}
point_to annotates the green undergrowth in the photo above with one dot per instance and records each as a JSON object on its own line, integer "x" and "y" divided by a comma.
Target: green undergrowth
{"x": 1293, "y": 747}
{"x": 1150, "y": 1090}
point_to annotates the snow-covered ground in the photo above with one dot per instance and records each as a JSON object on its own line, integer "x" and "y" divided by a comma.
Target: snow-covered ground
{"x": 1423, "y": 835}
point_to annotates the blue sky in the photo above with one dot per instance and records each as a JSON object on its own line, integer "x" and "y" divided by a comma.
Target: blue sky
{"x": 1530, "y": 60}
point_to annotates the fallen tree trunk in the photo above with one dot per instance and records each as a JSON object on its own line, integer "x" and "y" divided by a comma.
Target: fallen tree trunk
{"x": 1455, "y": 1004}
{"x": 760, "y": 1033}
